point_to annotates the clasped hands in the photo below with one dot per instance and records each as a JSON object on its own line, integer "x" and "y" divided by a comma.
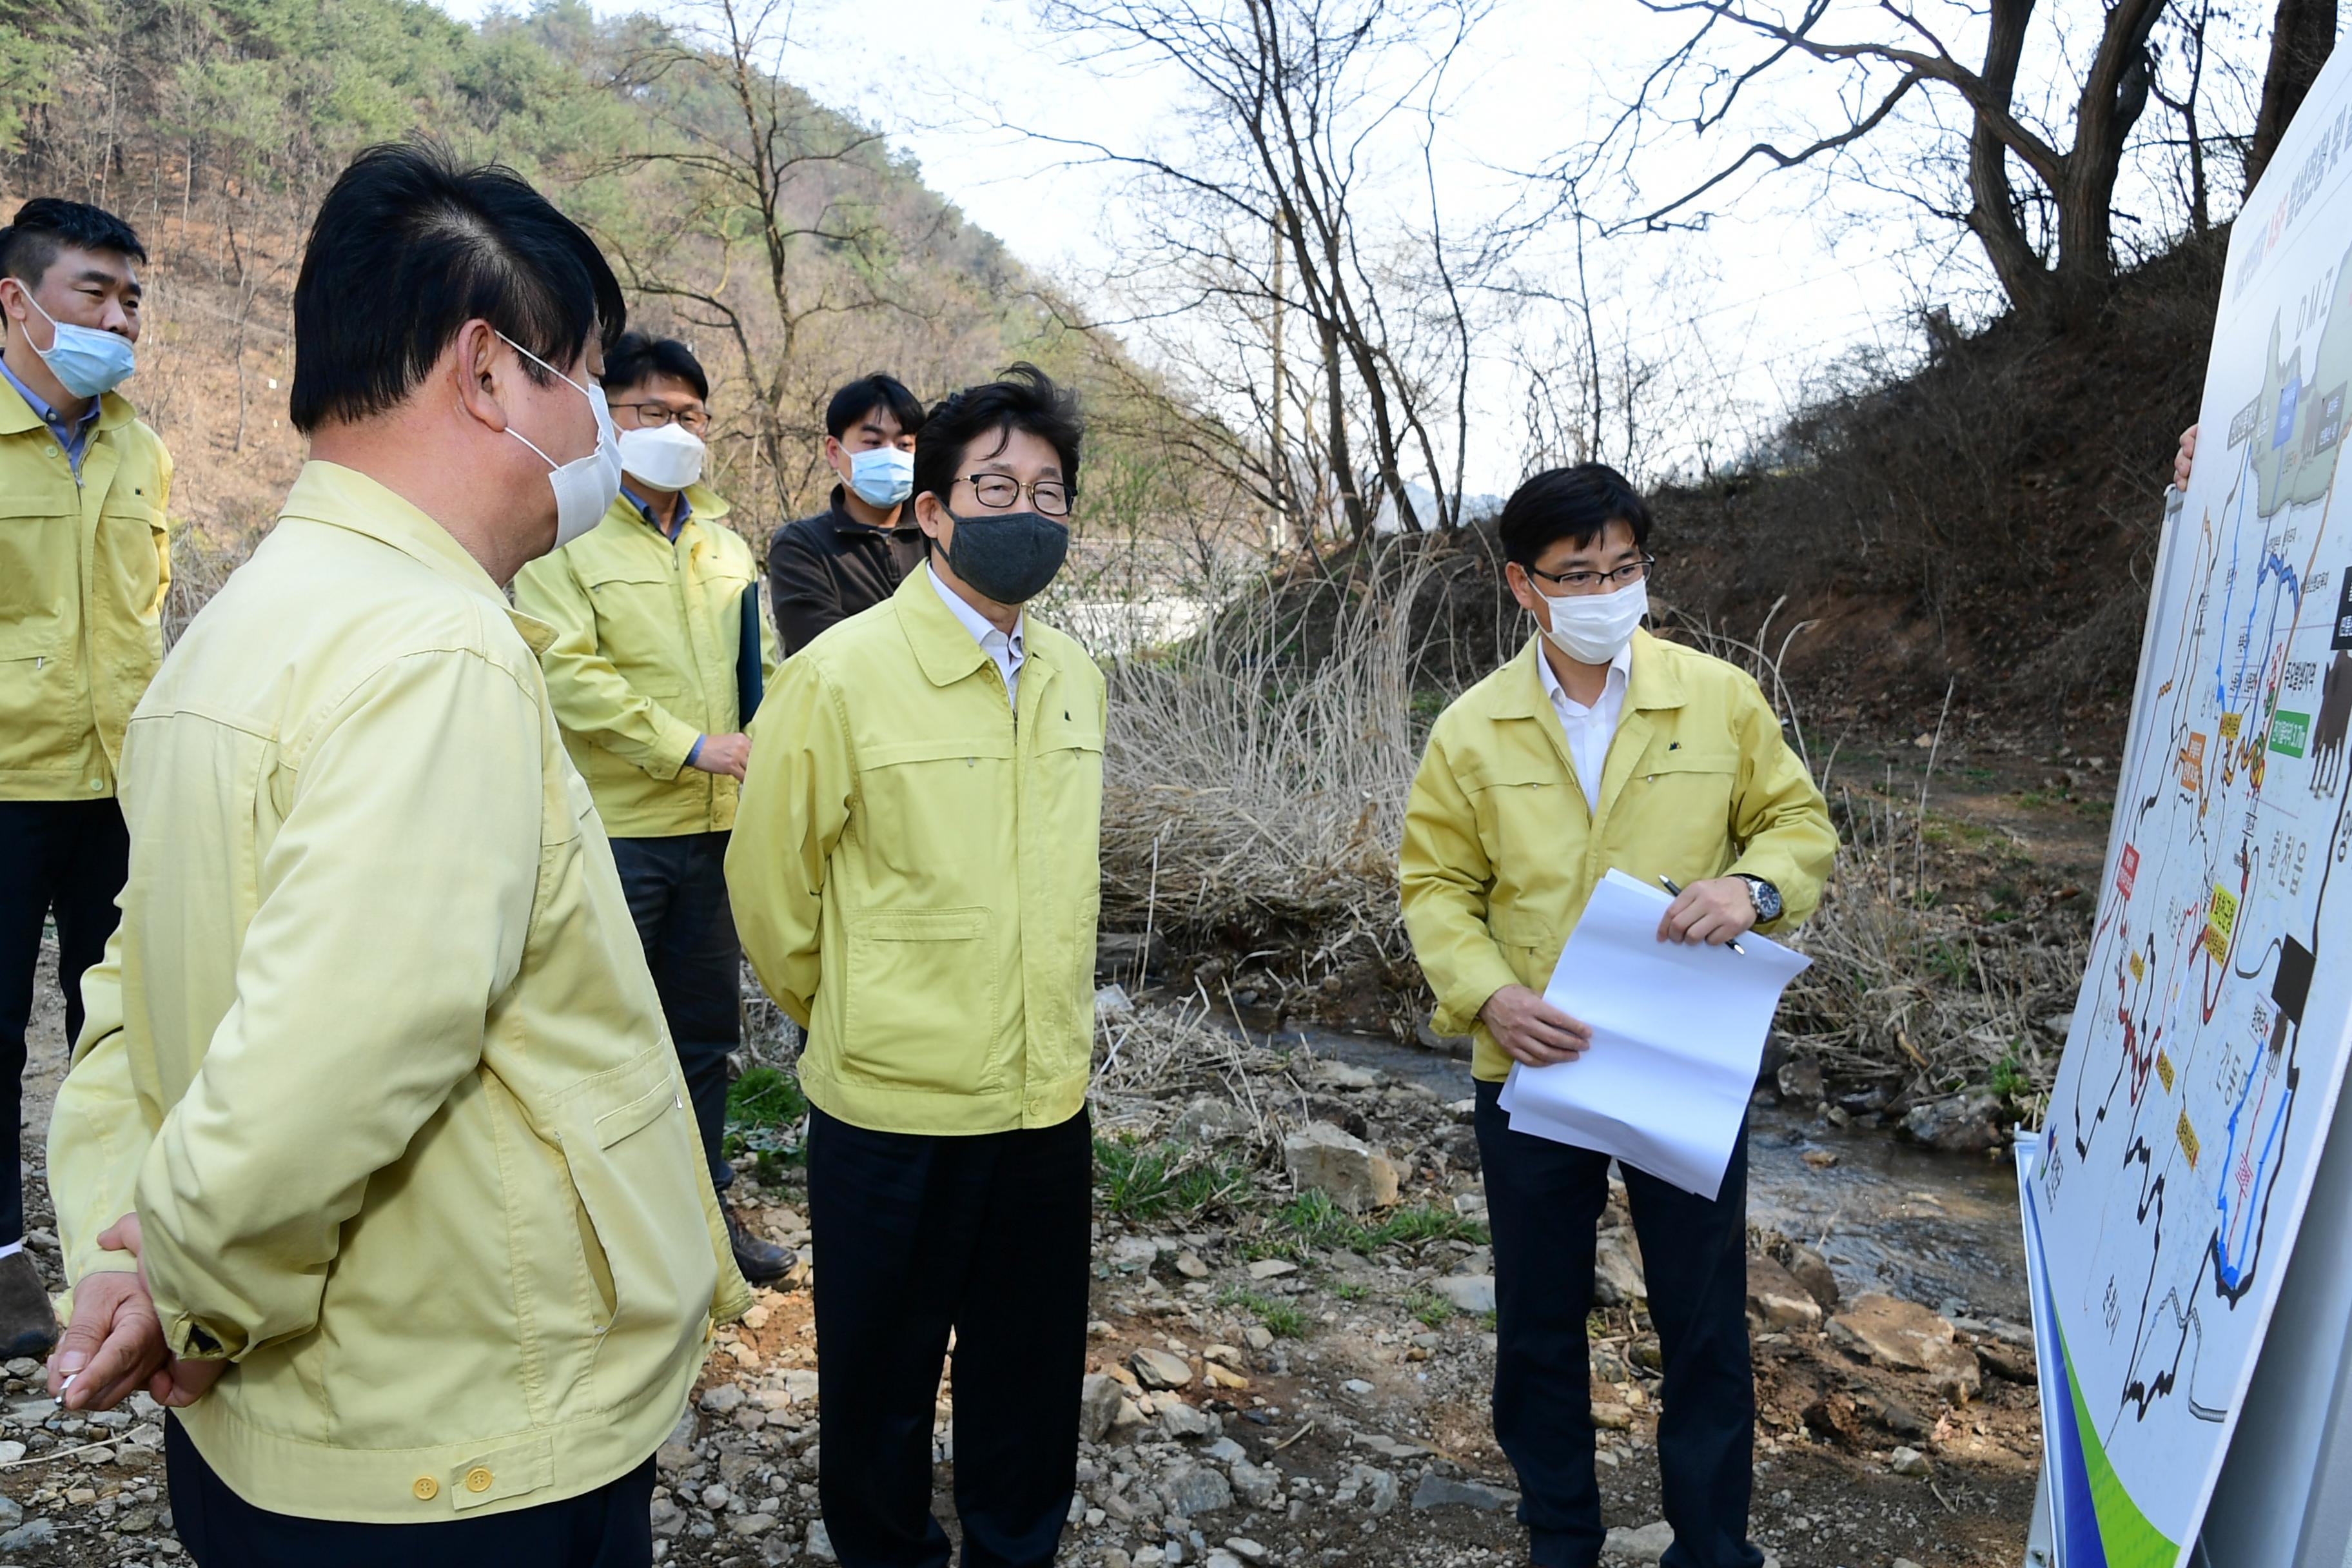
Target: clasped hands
{"x": 1531, "y": 1030}
{"x": 114, "y": 1347}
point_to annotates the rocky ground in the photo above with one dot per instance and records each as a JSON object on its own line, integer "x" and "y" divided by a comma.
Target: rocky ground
{"x": 1272, "y": 1378}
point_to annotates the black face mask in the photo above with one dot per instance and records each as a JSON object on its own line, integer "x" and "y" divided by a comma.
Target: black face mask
{"x": 1008, "y": 556}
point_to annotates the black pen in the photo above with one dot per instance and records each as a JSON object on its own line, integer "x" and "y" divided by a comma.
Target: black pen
{"x": 1668, "y": 883}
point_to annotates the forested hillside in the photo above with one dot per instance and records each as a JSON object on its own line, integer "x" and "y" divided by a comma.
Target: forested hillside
{"x": 784, "y": 241}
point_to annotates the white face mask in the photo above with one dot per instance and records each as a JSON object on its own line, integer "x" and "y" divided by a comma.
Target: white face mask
{"x": 584, "y": 487}
{"x": 1592, "y": 627}
{"x": 668, "y": 457}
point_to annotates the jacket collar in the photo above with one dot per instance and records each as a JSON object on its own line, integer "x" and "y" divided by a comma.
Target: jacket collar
{"x": 17, "y": 417}
{"x": 1651, "y": 683}
{"x": 702, "y": 506}
{"x": 344, "y": 498}
{"x": 845, "y": 523}
{"x": 945, "y": 650}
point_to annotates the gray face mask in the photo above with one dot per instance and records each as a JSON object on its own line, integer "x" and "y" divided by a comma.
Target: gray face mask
{"x": 1008, "y": 556}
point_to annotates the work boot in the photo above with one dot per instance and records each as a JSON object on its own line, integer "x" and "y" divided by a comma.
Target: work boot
{"x": 27, "y": 1327}
{"x": 761, "y": 1262}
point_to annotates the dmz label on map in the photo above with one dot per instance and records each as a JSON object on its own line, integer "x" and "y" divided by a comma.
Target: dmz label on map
{"x": 2343, "y": 638}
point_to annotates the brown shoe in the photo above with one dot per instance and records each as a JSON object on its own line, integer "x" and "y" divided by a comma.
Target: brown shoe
{"x": 27, "y": 1326}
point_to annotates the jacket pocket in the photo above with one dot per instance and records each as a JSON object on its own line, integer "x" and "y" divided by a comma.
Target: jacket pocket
{"x": 921, "y": 1011}
{"x": 937, "y": 809}
{"x": 631, "y": 1147}
{"x": 1681, "y": 815}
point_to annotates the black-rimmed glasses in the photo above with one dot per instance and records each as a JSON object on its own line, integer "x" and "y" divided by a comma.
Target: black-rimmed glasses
{"x": 1001, "y": 492}
{"x": 653, "y": 415}
{"x": 1581, "y": 582}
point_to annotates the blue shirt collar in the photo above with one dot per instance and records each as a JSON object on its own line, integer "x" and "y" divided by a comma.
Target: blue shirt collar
{"x": 645, "y": 510}
{"x": 73, "y": 438}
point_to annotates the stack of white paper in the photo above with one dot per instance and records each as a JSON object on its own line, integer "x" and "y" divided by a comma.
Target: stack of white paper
{"x": 1677, "y": 1032}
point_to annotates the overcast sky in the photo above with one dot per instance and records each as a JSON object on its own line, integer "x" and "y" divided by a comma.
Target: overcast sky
{"x": 1786, "y": 283}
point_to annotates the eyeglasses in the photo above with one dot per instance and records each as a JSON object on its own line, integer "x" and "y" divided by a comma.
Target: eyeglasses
{"x": 653, "y": 415}
{"x": 1000, "y": 492}
{"x": 1624, "y": 576}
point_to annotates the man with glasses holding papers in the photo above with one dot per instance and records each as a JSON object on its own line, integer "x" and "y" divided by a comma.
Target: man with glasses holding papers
{"x": 1599, "y": 747}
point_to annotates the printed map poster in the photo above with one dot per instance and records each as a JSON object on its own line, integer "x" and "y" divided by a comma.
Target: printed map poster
{"x": 2216, "y": 1012}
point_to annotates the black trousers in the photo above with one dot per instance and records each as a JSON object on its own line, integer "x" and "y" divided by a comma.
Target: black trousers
{"x": 611, "y": 1527}
{"x": 986, "y": 1235}
{"x": 1544, "y": 1202}
{"x": 66, "y": 859}
{"x": 677, "y": 890}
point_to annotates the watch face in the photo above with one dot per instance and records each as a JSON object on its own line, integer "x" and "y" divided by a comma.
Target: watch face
{"x": 1767, "y": 898}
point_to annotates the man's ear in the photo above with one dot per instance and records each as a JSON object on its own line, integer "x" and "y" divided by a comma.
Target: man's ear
{"x": 477, "y": 368}
{"x": 932, "y": 518}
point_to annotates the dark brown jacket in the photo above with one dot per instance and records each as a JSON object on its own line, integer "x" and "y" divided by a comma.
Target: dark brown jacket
{"x": 828, "y": 567}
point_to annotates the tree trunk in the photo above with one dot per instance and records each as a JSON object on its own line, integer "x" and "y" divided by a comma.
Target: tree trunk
{"x": 2301, "y": 41}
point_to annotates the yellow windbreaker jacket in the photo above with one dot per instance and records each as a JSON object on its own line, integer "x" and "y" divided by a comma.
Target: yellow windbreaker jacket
{"x": 1501, "y": 850}
{"x": 83, "y": 570}
{"x": 647, "y": 633}
{"x": 916, "y": 873}
{"x": 375, "y": 1056}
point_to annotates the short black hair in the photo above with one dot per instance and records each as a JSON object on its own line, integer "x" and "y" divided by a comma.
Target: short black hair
{"x": 868, "y": 392}
{"x": 45, "y": 225}
{"x": 1573, "y": 503}
{"x": 1021, "y": 397}
{"x": 408, "y": 247}
{"x": 636, "y": 357}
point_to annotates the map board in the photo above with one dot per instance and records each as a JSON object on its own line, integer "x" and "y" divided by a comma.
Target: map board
{"x": 2208, "y": 1044}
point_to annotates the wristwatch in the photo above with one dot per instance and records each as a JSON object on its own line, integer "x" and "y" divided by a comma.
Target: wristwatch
{"x": 1765, "y": 897}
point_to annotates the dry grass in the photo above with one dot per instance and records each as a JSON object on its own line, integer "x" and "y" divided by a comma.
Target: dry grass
{"x": 1255, "y": 797}
{"x": 1255, "y": 794}
{"x": 1909, "y": 993}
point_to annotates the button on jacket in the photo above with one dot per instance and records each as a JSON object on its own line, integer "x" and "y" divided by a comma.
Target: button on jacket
{"x": 84, "y": 565}
{"x": 375, "y": 1054}
{"x": 829, "y": 567}
{"x": 647, "y": 633}
{"x": 915, "y": 869}
{"x": 1501, "y": 849}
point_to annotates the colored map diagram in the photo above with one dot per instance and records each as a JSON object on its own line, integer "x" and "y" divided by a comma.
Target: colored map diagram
{"x": 2211, "y": 1034}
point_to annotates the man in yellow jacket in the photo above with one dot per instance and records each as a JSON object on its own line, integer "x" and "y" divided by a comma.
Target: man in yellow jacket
{"x": 647, "y": 673}
{"x": 1602, "y": 747}
{"x": 915, "y": 875}
{"x": 84, "y": 563}
{"x": 374, "y": 1162}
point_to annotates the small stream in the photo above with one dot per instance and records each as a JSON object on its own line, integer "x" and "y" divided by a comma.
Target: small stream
{"x": 1938, "y": 1229}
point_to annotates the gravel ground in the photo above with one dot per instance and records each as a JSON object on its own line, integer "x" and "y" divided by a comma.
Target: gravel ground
{"x": 1328, "y": 1402}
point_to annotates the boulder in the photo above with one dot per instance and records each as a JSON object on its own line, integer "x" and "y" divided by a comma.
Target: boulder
{"x": 1800, "y": 1081}
{"x": 1812, "y": 1271}
{"x": 1181, "y": 1420}
{"x": 1098, "y": 1398}
{"x": 1165, "y": 1369}
{"x": 1907, "y": 1462}
{"x": 1327, "y": 1159}
{"x": 1189, "y": 1488}
{"x": 1208, "y": 1120}
{"x": 2008, "y": 1363}
{"x": 1467, "y": 1292}
{"x": 1256, "y": 1485}
{"x": 1777, "y": 1299}
{"x": 1617, "y": 1269}
{"x": 1646, "y": 1544}
{"x": 1439, "y": 1491}
{"x": 1907, "y": 1337}
{"x": 1376, "y": 1490}
{"x": 1959, "y": 1123}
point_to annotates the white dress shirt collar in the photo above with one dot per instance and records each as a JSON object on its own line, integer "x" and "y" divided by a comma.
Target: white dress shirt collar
{"x": 1590, "y": 729}
{"x": 1005, "y": 649}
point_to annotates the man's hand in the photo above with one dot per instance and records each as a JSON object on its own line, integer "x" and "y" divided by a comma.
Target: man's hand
{"x": 175, "y": 1383}
{"x": 114, "y": 1346}
{"x": 1714, "y": 911}
{"x": 724, "y": 754}
{"x": 2187, "y": 459}
{"x": 1532, "y": 1030}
